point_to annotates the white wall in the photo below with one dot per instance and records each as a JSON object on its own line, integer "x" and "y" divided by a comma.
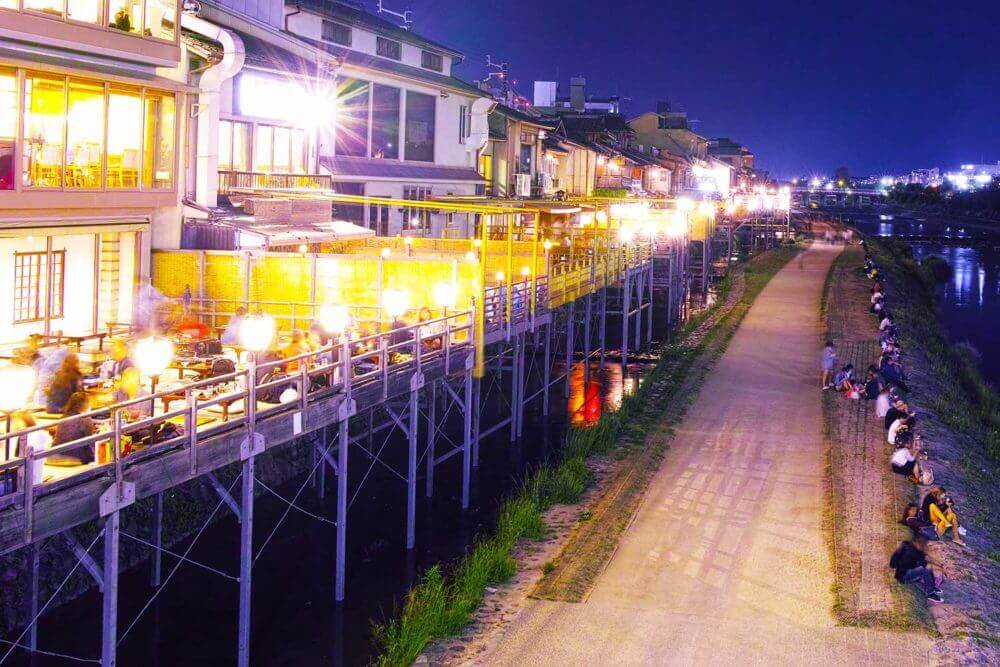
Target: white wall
{"x": 271, "y": 12}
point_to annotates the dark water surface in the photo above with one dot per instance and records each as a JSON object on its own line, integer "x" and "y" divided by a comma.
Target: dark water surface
{"x": 295, "y": 620}
{"x": 970, "y": 299}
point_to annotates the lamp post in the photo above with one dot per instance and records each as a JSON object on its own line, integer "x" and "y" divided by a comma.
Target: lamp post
{"x": 152, "y": 356}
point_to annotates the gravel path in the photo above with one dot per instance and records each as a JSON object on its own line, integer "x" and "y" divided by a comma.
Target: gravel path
{"x": 726, "y": 560}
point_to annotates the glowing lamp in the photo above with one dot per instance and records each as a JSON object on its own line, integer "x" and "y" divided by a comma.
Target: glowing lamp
{"x": 470, "y": 257}
{"x": 547, "y": 245}
{"x": 334, "y": 318}
{"x": 706, "y": 208}
{"x": 395, "y": 302}
{"x": 685, "y": 204}
{"x": 626, "y": 234}
{"x": 257, "y": 332}
{"x": 601, "y": 217}
{"x": 386, "y": 252}
{"x": 152, "y": 355}
{"x": 525, "y": 272}
{"x": 477, "y": 243}
{"x": 17, "y": 383}
{"x": 445, "y": 295}
{"x": 500, "y": 276}
{"x": 408, "y": 240}
{"x": 617, "y": 210}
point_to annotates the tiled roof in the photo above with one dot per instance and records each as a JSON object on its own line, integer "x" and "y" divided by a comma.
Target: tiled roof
{"x": 368, "y": 61}
{"x": 516, "y": 114}
{"x": 349, "y": 14}
{"x": 262, "y": 54}
{"x": 363, "y": 167}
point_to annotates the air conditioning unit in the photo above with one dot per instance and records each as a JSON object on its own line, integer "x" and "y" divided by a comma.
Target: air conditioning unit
{"x": 522, "y": 185}
{"x": 545, "y": 180}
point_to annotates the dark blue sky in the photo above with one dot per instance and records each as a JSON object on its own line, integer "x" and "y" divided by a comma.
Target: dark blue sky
{"x": 808, "y": 86}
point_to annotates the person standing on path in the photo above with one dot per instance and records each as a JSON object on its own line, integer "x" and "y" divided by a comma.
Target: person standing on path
{"x": 829, "y": 362}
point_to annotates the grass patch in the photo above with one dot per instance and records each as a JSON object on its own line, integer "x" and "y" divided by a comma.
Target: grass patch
{"x": 439, "y": 606}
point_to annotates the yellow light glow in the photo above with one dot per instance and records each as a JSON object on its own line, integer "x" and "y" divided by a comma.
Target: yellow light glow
{"x": 685, "y": 204}
{"x": 707, "y": 208}
{"x": 153, "y": 354}
{"x": 303, "y": 248}
{"x": 547, "y": 244}
{"x": 17, "y": 384}
{"x": 386, "y": 252}
{"x": 470, "y": 257}
{"x": 334, "y": 318}
{"x": 626, "y": 234}
{"x": 601, "y": 216}
{"x": 395, "y": 302}
{"x": 525, "y": 271}
{"x": 500, "y": 276}
{"x": 445, "y": 295}
{"x": 408, "y": 240}
{"x": 477, "y": 243}
{"x": 257, "y": 332}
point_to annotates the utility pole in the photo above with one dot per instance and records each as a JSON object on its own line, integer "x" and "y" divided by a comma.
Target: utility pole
{"x": 502, "y": 74}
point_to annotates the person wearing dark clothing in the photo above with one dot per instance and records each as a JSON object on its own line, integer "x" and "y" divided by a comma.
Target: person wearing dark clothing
{"x": 897, "y": 411}
{"x": 917, "y": 524}
{"x": 910, "y": 563}
{"x": 68, "y": 431}
{"x": 65, "y": 383}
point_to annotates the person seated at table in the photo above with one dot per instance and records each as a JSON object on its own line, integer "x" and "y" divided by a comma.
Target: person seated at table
{"x": 34, "y": 442}
{"x": 119, "y": 359}
{"x": 430, "y": 334}
{"x": 129, "y": 387}
{"x": 398, "y": 333}
{"x": 938, "y": 509}
{"x": 192, "y": 327}
{"x": 231, "y": 335}
{"x": 68, "y": 431}
{"x": 65, "y": 383}
{"x": 296, "y": 346}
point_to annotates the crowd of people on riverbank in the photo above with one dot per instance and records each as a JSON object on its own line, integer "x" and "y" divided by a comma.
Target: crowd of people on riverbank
{"x": 885, "y": 384}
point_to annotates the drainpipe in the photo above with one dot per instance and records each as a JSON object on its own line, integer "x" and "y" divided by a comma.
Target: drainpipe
{"x": 210, "y": 104}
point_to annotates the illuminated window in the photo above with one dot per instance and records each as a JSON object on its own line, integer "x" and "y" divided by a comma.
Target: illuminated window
{"x": 158, "y": 156}
{"x": 125, "y": 15}
{"x": 282, "y": 149}
{"x": 84, "y": 135}
{"x": 45, "y": 118}
{"x": 486, "y": 170}
{"x": 419, "y": 127}
{"x": 8, "y": 4}
{"x": 30, "y": 277}
{"x": 300, "y": 152}
{"x": 262, "y": 141}
{"x": 225, "y": 145}
{"x": 416, "y": 218}
{"x": 385, "y": 122}
{"x": 352, "y": 118}
{"x": 160, "y": 17}
{"x": 241, "y": 146}
{"x": 47, "y": 6}
{"x": 124, "y": 138}
{"x": 8, "y": 127}
{"x": 87, "y": 11}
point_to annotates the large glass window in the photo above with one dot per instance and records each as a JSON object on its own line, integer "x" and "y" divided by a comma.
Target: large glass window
{"x": 419, "y": 127}
{"x": 84, "y": 135}
{"x": 388, "y": 48}
{"x": 124, "y": 138}
{"x": 160, "y": 17}
{"x": 241, "y": 147}
{"x": 158, "y": 153}
{"x": 385, "y": 122}
{"x": 88, "y": 11}
{"x": 47, "y": 6}
{"x": 30, "y": 278}
{"x": 263, "y": 139}
{"x": 336, "y": 33}
{"x": 300, "y": 154}
{"x": 125, "y": 15}
{"x": 45, "y": 119}
{"x": 282, "y": 149}
{"x": 352, "y": 118}
{"x": 225, "y": 145}
{"x": 8, "y": 127}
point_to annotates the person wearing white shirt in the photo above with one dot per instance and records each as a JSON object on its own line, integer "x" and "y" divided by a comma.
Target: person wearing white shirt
{"x": 904, "y": 462}
{"x": 895, "y": 427}
{"x": 885, "y": 323}
{"x": 882, "y": 404}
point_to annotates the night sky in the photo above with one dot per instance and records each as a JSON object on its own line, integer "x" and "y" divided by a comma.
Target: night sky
{"x": 879, "y": 87}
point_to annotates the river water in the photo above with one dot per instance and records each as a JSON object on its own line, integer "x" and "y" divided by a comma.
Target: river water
{"x": 295, "y": 620}
{"x": 970, "y": 299}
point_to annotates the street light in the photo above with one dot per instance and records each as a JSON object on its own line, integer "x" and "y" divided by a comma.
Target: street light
{"x": 334, "y": 319}
{"x": 395, "y": 302}
{"x": 256, "y": 333}
{"x": 445, "y": 296}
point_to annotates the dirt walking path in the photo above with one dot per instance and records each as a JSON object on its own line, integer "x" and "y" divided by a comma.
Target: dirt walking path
{"x": 726, "y": 561}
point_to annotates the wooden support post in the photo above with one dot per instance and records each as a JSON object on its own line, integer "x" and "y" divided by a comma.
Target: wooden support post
{"x": 547, "y": 368}
{"x": 246, "y": 559}
{"x": 467, "y": 439}
{"x": 34, "y": 564}
{"x": 570, "y": 316}
{"x": 411, "y": 467}
{"x": 432, "y": 436}
{"x": 588, "y": 309}
{"x": 626, "y": 294}
{"x": 343, "y": 444}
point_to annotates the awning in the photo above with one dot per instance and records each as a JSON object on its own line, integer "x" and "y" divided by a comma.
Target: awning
{"x": 252, "y": 233}
{"x": 18, "y": 227}
{"x": 394, "y": 170}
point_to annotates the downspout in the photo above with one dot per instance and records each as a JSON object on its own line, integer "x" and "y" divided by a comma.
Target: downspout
{"x": 209, "y": 105}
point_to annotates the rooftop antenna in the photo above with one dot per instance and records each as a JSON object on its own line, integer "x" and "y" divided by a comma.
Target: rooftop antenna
{"x": 500, "y": 73}
{"x": 406, "y": 16}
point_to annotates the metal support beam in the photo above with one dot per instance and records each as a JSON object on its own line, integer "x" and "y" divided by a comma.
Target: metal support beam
{"x": 343, "y": 444}
{"x": 522, "y": 384}
{"x": 36, "y": 551}
{"x": 640, "y": 288}
{"x": 109, "y": 611}
{"x": 431, "y": 437}
{"x": 626, "y": 294}
{"x": 246, "y": 559}
{"x": 411, "y": 467}
{"x": 649, "y": 302}
{"x": 156, "y": 568}
{"x": 602, "y": 334}
{"x": 85, "y": 559}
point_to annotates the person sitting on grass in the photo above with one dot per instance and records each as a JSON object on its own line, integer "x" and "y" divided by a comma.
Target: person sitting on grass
{"x": 897, "y": 429}
{"x": 844, "y": 379}
{"x": 873, "y": 384}
{"x": 877, "y": 296}
{"x": 938, "y": 509}
{"x": 910, "y": 563}
{"x": 898, "y": 409}
{"x": 917, "y": 524}
{"x": 828, "y": 363}
{"x": 886, "y": 321}
{"x": 883, "y": 403}
{"x": 904, "y": 461}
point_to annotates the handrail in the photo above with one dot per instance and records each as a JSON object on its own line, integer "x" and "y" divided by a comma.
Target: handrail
{"x": 395, "y": 351}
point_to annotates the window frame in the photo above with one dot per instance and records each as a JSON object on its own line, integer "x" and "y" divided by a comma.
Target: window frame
{"x": 434, "y": 57}
{"x": 42, "y": 299}
{"x": 397, "y": 49}
{"x": 102, "y": 19}
{"x": 464, "y": 122}
{"x": 406, "y": 125}
{"x": 416, "y": 193}
{"x": 335, "y": 24}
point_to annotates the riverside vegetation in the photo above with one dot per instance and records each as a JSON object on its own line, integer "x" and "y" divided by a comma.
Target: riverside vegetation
{"x": 442, "y": 604}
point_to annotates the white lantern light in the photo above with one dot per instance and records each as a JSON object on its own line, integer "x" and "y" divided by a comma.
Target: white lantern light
{"x": 445, "y": 295}
{"x": 395, "y": 302}
{"x": 334, "y": 318}
{"x": 17, "y": 383}
{"x": 153, "y": 355}
{"x": 257, "y": 332}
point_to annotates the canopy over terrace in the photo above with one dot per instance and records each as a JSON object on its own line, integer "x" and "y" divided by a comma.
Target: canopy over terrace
{"x": 511, "y": 270}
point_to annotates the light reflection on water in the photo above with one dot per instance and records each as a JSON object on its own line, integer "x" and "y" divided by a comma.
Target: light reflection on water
{"x": 970, "y": 299}
{"x": 604, "y": 390}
